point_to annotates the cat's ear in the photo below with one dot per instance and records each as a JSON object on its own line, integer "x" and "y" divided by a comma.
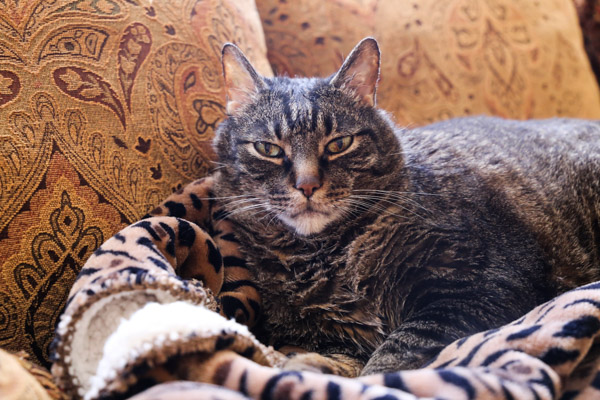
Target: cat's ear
{"x": 242, "y": 82}
{"x": 359, "y": 74}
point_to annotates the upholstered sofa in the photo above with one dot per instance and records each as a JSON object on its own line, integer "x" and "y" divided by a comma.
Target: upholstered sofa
{"x": 109, "y": 106}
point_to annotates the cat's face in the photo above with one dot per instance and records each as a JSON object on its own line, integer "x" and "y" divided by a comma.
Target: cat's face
{"x": 304, "y": 151}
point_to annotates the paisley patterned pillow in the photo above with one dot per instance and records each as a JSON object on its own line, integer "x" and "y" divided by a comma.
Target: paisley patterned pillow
{"x": 441, "y": 59}
{"x": 106, "y": 107}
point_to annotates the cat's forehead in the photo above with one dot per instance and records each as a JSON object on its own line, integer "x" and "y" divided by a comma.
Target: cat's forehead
{"x": 299, "y": 107}
{"x": 297, "y": 94}
{"x": 296, "y": 85}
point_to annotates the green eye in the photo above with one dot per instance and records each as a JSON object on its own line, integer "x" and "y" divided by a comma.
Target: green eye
{"x": 340, "y": 144}
{"x": 268, "y": 149}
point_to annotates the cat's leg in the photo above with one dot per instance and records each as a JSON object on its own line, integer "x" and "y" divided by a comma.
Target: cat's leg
{"x": 409, "y": 347}
{"x": 443, "y": 317}
{"x": 336, "y": 364}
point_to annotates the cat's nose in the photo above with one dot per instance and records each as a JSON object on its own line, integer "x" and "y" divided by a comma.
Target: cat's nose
{"x": 308, "y": 184}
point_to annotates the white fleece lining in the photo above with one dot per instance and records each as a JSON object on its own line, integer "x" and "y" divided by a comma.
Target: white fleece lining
{"x": 97, "y": 323}
{"x": 150, "y": 327}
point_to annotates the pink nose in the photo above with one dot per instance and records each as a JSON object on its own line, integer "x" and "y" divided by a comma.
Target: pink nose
{"x": 308, "y": 184}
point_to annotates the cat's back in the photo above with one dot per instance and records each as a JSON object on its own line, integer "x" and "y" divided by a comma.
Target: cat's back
{"x": 546, "y": 172}
{"x": 496, "y": 145}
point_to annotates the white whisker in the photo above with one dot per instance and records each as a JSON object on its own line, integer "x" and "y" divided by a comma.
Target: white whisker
{"x": 386, "y": 200}
{"x": 371, "y": 207}
{"x": 226, "y": 197}
{"x": 384, "y": 194}
{"x": 239, "y": 202}
{"x": 397, "y": 192}
{"x": 246, "y": 208}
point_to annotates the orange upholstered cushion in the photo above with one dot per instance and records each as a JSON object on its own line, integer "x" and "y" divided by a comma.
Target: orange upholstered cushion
{"x": 513, "y": 58}
{"x": 106, "y": 107}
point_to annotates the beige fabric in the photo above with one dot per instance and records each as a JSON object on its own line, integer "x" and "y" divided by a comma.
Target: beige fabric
{"x": 16, "y": 383}
{"x": 441, "y": 59}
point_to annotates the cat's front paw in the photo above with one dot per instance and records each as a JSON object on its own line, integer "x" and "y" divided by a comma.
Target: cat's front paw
{"x": 313, "y": 362}
{"x": 381, "y": 365}
{"x": 385, "y": 362}
{"x": 392, "y": 357}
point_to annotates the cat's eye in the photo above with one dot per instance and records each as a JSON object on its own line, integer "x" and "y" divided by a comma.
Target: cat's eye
{"x": 340, "y": 144}
{"x": 268, "y": 149}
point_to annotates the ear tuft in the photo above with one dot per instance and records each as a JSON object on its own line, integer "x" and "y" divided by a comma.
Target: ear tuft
{"x": 242, "y": 82}
{"x": 359, "y": 74}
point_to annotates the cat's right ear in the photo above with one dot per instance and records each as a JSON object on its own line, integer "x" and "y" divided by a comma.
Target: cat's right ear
{"x": 359, "y": 74}
{"x": 242, "y": 82}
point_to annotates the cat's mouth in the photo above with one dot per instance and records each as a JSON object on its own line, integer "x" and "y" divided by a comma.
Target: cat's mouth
{"x": 308, "y": 211}
{"x": 308, "y": 220}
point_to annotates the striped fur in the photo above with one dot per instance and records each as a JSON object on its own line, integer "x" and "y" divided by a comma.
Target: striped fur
{"x": 410, "y": 238}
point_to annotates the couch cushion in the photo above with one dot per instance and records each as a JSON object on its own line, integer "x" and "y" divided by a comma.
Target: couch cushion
{"x": 106, "y": 107}
{"x": 441, "y": 59}
{"x": 19, "y": 379}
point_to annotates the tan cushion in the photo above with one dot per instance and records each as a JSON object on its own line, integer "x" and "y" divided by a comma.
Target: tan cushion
{"x": 513, "y": 58}
{"x": 20, "y": 380}
{"x": 106, "y": 107}
{"x": 312, "y": 37}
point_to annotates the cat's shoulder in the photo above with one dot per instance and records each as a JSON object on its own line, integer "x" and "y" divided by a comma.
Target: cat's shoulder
{"x": 497, "y": 136}
{"x": 489, "y": 126}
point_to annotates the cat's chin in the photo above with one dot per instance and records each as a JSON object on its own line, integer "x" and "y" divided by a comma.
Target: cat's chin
{"x": 307, "y": 223}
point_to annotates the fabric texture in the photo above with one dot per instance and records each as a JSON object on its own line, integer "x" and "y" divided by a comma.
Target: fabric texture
{"x": 155, "y": 327}
{"x": 169, "y": 261}
{"x": 442, "y": 59}
{"x": 22, "y": 380}
{"x": 106, "y": 107}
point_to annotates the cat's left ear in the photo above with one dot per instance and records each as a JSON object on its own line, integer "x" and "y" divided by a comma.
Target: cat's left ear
{"x": 242, "y": 82}
{"x": 359, "y": 74}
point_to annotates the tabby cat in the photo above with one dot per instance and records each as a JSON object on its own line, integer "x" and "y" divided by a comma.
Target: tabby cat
{"x": 377, "y": 246}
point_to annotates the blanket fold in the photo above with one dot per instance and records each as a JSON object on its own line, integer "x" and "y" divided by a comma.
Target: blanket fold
{"x": 162, "y": 311}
